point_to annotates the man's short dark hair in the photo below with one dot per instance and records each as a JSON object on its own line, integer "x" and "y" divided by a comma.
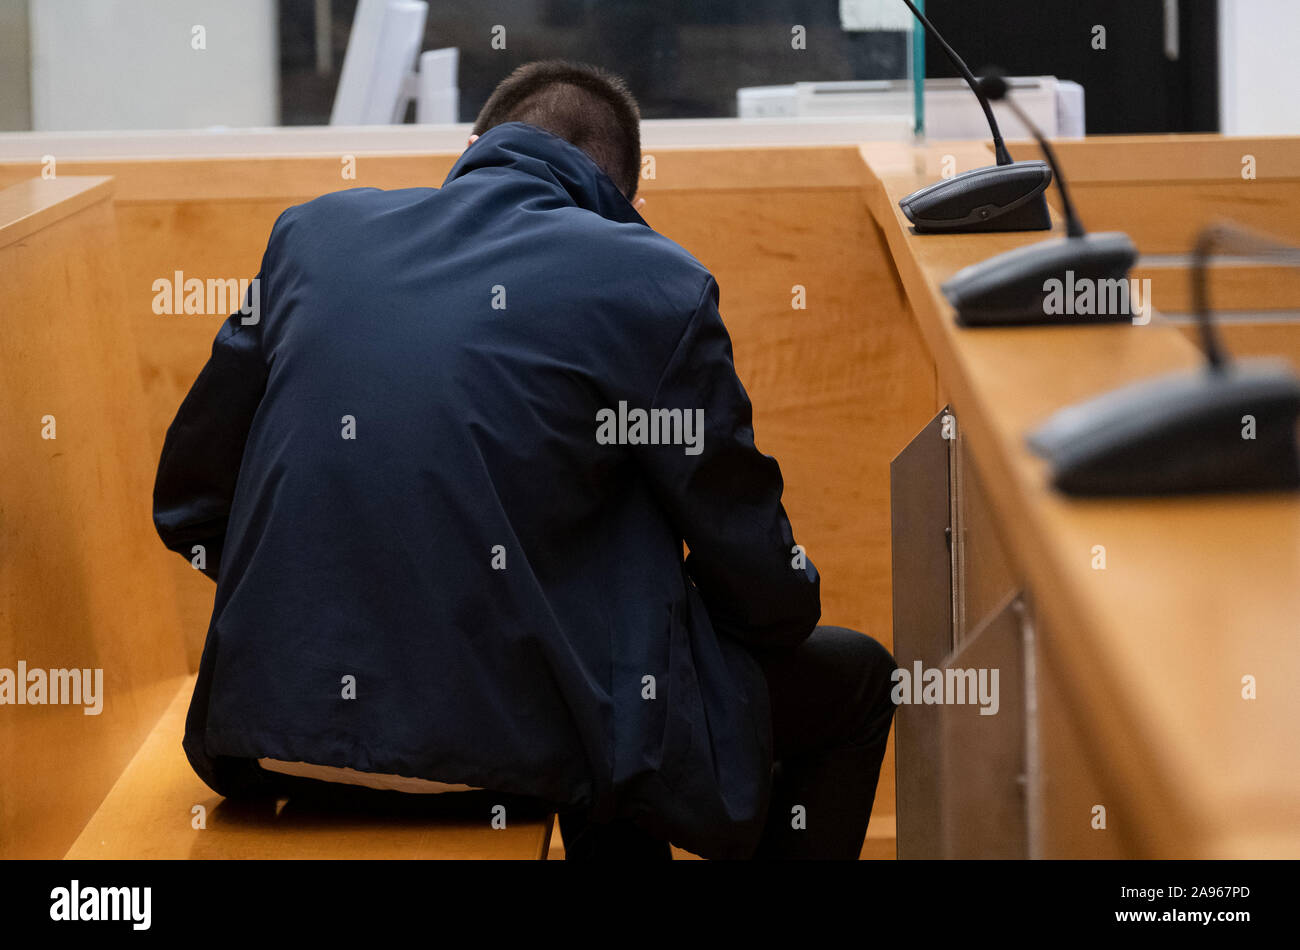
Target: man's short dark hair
{"x": 584, "y": 105}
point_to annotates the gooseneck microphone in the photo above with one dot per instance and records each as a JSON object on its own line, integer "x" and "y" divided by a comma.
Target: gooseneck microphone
{"x": 1228, "y": 238}
{"x": 959, "y": 64}
{"x": 1227, "y": 426}
{"x": 1009, "y": 196}
{"x": 1040, "y": 283}
{"x": 995, "y": 87}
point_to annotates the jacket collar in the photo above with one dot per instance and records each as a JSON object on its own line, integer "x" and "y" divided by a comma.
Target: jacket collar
{"x": 548, "y": 158}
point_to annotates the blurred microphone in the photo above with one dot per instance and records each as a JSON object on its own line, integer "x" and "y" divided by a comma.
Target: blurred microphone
{"x": 1012, "y": 289}
{"x": 1227, "y": 426}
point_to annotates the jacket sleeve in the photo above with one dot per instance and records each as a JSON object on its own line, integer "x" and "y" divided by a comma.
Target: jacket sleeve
{"x": 205, "y": 442}
{"x": 724, "y": 496}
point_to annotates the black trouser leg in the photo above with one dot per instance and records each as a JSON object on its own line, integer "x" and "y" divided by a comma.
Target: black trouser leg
{"x": 831, "y": 711}
{"x": 618, "y": 840}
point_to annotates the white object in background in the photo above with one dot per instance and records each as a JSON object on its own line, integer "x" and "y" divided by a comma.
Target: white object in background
{"x": 953, "y": 112}
{"x": 1257, "y": 67}
{"x": 385, "y": 40}
{"x": 951, "y": 109}
{"x": 400, "y": 40}
{"x": 358, "y": 62}
{"x": 146, "y": 64}
{"x": 859, "y": 15}
{"x": 1071, "y": 121}
{"x": 1173, "y": 30}
{"x": 766, "y": 102}
{"x": 437, "y": 100}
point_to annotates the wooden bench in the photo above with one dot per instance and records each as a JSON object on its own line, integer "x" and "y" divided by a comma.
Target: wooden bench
{"x": 85, "y": 585}
{"x": 159, "y": 809}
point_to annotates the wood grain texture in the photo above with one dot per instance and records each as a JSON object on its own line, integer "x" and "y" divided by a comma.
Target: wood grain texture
{"x": 838, "y": 388}
{"x": 1198, "y": 592}
{"x": 1073, "y": 778}
{"x": 82, "y": 576}
{"x": 1246, "y": 287}
{"x": 1174, "y": 158}
{"x": 763, "y": 219}
{"x": 1162, "y": 189}
{"x": 1246, "y": 339}
{"x": 160, "y": 810}
{"x": 33, "y": 203}
{"x": 301, "y": 177}
{"x": 1166, "y": 218}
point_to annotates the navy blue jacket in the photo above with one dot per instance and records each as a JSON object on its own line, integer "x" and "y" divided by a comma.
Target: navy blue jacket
{"x": 396, "y": 479}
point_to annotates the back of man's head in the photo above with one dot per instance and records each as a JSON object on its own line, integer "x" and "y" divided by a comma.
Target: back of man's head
{"x": 583, "y": 105}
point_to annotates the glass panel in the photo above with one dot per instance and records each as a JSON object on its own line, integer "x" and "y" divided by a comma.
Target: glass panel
{"x": 681, "y": 59}
{"x": 86, "y": 65}
{"x": 916, "y": 70}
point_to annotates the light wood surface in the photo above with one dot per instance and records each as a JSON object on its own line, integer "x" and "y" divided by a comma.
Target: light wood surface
{"x": 160, "y": 810}
{"x": 160, "y": 179}
{"x": 1173, "y": 158}
{"x": 1248, "y": 287}
{"x": 82, "y": 575}
{"x": 1162, "y": 189}
{"x": 1145, "y": 658}
{"x": 31, "y": 204}
{"x": 837, "y": 388}
{"x": 1148, "y": 654}
{"x": 1249, "y": 338}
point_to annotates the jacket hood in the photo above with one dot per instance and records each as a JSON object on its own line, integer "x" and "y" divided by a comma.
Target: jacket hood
{"x": 548, "y": 158}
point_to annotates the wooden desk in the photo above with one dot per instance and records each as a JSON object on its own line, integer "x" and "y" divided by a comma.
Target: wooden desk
{"x": 839, "y": 388}
{"x": 83, "y": 582}
{"x": 1134, "y": 673}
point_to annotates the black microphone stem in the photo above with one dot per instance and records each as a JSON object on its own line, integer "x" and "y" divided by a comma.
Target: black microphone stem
{"x": 1073, "y": 225}
{"x": 1205, "y": 247}
{"x": 1235, "y": 240}
{"x": 999, "y": 147}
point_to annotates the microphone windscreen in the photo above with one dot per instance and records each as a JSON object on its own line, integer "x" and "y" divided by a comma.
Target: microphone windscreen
{"x": 994, "y": 85}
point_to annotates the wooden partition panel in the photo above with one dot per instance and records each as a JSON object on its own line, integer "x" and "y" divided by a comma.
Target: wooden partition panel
{"x": 1163, "y": 189}
{"x": 838, "y": 388}
{"x": 82, "y": 581}
{"x": 835, "y": 367}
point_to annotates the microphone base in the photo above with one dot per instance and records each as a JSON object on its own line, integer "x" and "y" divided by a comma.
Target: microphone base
{"x": 1060, "y": 281}
{"x": 1183, "y": 432}
{"x": 998, "y": 198}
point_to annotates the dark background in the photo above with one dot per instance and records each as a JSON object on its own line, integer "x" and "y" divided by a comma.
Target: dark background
{"x": 1131, "y": 86}
{"x": 686, "y": 59}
